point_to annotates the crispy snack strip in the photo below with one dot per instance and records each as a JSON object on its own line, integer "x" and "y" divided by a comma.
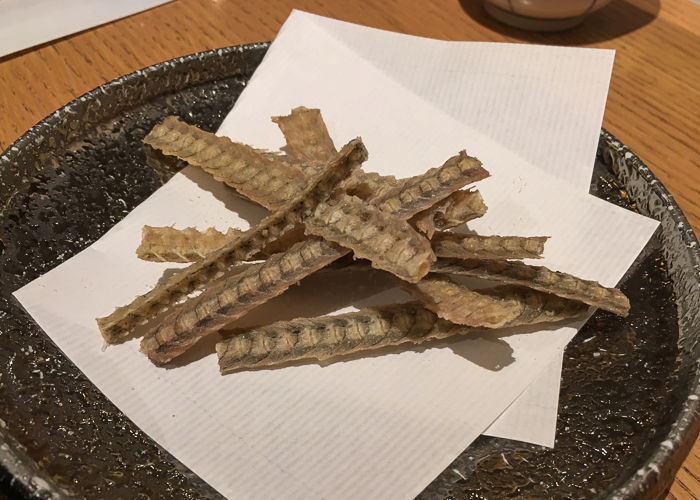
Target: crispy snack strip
{"x": 329, "y": 336}
{"x": 538, "y": 278}
{"x": 462, "y": 246}
{"x": 492, "y": 308}
{"x": 117, "y": 325}
{"x": 167, "y": 244}
{"x": 388, "y": 242}
{"x": 423, "y": 191}
{"x": 456, "y": 209}
{"x": 239, "y": 294}
{"x": 263, "y": 178}
{"x": 306, "y": 135}
{"x": 231, "y": 297}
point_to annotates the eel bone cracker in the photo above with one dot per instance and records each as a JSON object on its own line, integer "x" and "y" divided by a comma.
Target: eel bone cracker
{"x": 388, "y": 242}
{"x": 538, "y": 278}
{"x": 497, "y": 307}
{"x": 473, "y": 246}
{"x": 257, "y": 176}
{"x": 330, "y": 336}
{"x": 425, "y": 190}
{"x": 167, "y": 244}
{"x": 118, "y": 325}
{"x": 191, "y": 320}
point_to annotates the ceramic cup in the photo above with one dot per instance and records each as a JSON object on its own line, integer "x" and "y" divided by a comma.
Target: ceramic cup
{"x": 542, "y": 15}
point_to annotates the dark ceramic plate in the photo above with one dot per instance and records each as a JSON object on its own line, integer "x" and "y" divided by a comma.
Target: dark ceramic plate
{"x": 628, "y": 396}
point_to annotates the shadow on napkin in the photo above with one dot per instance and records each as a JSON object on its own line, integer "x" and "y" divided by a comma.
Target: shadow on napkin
{"x": 245, "y": 209}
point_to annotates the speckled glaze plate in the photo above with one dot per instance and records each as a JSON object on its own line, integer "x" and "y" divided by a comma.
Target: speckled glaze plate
{"x": 628, "y": 402}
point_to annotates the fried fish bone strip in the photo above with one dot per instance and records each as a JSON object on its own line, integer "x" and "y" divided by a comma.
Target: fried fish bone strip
{"x": 261, "y": 178}
{"x": 423, "y": 191}
{"x": 538, "y": 278}
{"x": 462, "y": 246}
{"x": 498, "y": 307}
{"x": 456, "y": 209}
{"x": 231, "y": 297}
{"x": 306, "y": 135}
{"x": 167, "y": 244}
{"x": 388, "y": 242}
{"x": 329, "y": 336}
{"x": 117, "y": 325}
{"x": 236, "y": 295}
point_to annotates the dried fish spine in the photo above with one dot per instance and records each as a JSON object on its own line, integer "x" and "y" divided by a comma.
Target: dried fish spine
{"x": 232, "y": 297}
{"x": 117, "y": 326}
{"x": 492, "y": 308}
{"x": 259, "y": 177}
{"x": 423, "y": 191}
{"x": 167, "y": 244}
{"x": 388, "y": 242}
{"x": 538, "y": 278}
{"x": 473, "y": 246}
{"x": 371, "y": 186}
{"x": 331, "y": 336}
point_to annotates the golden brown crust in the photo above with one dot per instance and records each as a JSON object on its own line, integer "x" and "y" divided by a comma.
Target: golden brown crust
{"x": 456, "y": 209}
{"x": 117, "y": 325}
{"x": 538, "y": 278}
{"x": 388, "y": 242}
{"x": 263, "y": 178}
{"x": 492, "y": 308}
{"x": 330, "y": 336}
{"x": 473, "y": 246}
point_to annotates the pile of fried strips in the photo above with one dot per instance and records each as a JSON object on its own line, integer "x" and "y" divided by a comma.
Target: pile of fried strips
{"x": 323, "y": 206}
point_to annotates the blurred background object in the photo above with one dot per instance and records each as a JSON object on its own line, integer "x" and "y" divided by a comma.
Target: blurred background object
{"x": 27, "y": 23}
{"x": 542, "y": 15}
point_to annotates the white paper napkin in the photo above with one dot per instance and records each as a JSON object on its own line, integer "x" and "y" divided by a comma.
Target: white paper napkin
{"x": 25, "y": 23}
{"x": 375, "y": 426}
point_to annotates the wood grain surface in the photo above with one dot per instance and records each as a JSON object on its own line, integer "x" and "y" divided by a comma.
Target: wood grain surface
{"x": 653, "y": 104}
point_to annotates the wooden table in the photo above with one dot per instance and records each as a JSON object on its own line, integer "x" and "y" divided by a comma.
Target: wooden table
{"x": 653, "y": 105}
